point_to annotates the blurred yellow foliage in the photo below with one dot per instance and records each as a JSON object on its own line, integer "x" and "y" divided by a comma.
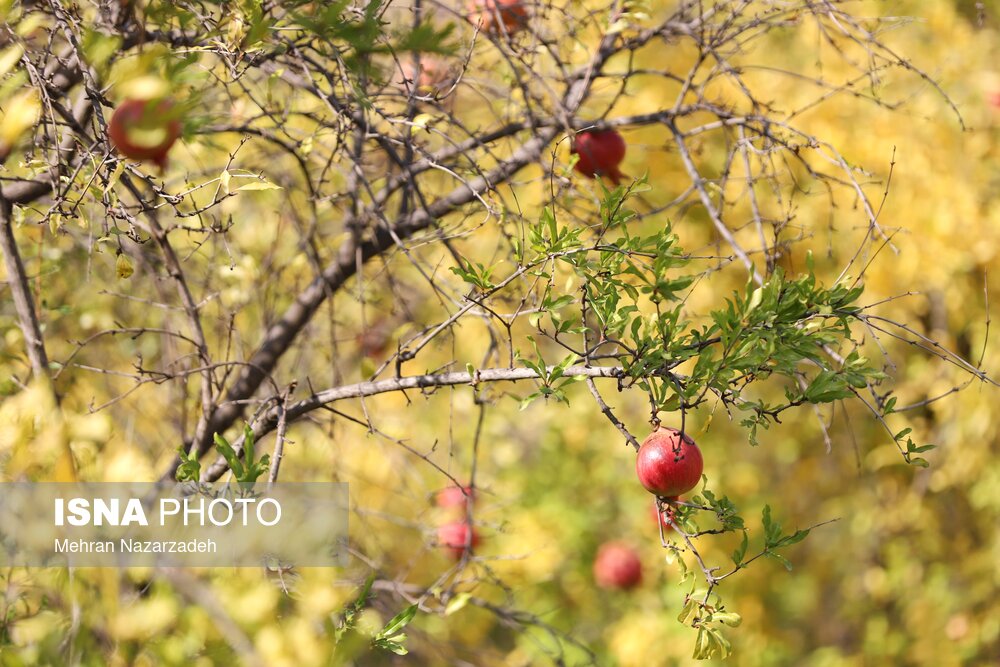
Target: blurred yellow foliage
{"x": 907, "y": 575}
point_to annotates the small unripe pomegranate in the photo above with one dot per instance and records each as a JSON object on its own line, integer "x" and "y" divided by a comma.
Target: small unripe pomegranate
{"x": 600, "y": 151}
{"x": 669, "y": 465}
{"x": 617, "y": 566}
{"x": 144, "y": 130}
{"x": 490, "y": 15}
{"x": 457, "y": 537}
{"x": 668, "y": 516}
{"x": 455, "y": 496}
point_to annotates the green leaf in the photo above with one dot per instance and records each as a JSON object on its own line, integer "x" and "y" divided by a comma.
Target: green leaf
{"x": 399, "y": 621}
{"x": 781, "y": 559}
{"x": 772, "y": 529}
{"x": 730, "y": 618}
{"x": 794, "y": 538}
{"x": 226, "y": 450}
{"x": 366, "y": 590}
{"x": 190, "y": 468}
{"x": 389, "y": 645}
{"x": 826, "y": 387}
{"x": 912, "y": 447}
{"x": 248, "y": 444}
{"x": 740, "y": 553}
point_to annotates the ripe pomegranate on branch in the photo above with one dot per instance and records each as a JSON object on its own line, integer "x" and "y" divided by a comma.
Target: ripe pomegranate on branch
{"x": 599, "y": 154}
{"x": 668, "y": 464}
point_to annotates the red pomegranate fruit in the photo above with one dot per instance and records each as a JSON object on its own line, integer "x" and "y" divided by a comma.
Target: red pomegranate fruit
{"x": 669, "y": 465}
{"x": 144, "y": 130}
{"x": 457, "y": 537}
{"x": 600, "y": 152}
{"x": 617, "y": 566}
{"x": 490, "y": 15}
{"x": 455, "y": 496}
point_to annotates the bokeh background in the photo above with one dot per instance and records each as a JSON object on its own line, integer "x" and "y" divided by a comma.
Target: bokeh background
{"x": 907, "y": 574}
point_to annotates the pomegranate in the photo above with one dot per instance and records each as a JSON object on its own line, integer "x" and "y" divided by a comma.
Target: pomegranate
{"x": 617, "y": 566}
{"x": 144, "y": 130}
{"x": 376, "y": 340}
{"x": 490, "y": 15}
{"x": 457, "y": 537}
{"x": 668, "y": 516}
{"x": 669, "y": 465}
{"x": 455, "y": 496}
{"x": 600, "y": 151}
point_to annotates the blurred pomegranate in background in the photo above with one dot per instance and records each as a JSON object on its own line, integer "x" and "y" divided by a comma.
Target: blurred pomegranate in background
{"x": 375, "y": 340}
{"x": 144, "y": 130}
{"x": 617, "y": 565}
{"x": 490, "y": 15}
{"x": 457, "y": 537}
{"x": 455, "y": 496}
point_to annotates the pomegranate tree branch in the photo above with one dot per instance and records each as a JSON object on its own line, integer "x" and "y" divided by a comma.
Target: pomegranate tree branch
{"x": 283, "y": 333}
{"x": 606, "y": 411}
{"x": 290, "y": 413}
{"x": 24, "y": 304}
{"x": 699, "y": 183}
{"x": 176, "y": 272}
{"x": 354, "y": 253}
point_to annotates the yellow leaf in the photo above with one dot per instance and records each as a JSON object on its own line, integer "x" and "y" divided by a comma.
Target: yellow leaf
{"x": 260, "y": 185}
{"x": 123, "y": 267}
{"x": 224, "y": 179}
{"x": 457, "y": 603}
{"x": 115, "y": 175}
{"x": 145, "y": 88}
{"x": 30, "y": 23}
{"x": 422, "y": 120}
{"x": 22, "y": 112}
{"x": 617, "y": 27}
{"x": 9, "y": 58}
